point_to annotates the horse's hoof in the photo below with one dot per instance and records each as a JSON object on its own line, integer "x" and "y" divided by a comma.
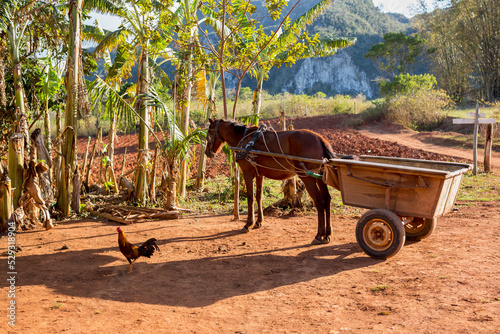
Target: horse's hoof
{"x": 245, "y": 230}
{"x": 317, "y": 241}
{"x": 320, "y": 241}
{"x": 257, "y": 226}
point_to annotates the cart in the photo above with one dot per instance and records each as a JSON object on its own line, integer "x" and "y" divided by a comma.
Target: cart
{"x": 405, "y": 196}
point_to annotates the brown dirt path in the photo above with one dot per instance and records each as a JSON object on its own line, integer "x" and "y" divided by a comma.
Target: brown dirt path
{"x": 210, "y": 278}
{"x": 423, "y": 141}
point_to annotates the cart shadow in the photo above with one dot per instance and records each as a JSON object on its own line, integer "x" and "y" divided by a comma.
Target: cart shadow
{"x": 189, "y": 283}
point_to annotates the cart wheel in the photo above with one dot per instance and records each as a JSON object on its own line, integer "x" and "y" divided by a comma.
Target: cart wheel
{"x": 380, "y": 233}
{"x": 420, "y": 228}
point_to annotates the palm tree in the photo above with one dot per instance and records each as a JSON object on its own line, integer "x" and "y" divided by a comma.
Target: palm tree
{"x": 177, "y": 148}
{"x": 14, "y": 22}
{"x": 138, "y": 39}
{"x": 189, "y": 54}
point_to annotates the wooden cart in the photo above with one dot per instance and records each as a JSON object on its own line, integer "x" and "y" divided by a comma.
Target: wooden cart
{"x": 405, "y": 197}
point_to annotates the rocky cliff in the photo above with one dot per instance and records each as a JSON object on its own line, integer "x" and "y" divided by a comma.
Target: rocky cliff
{"x": 332, "y": 75}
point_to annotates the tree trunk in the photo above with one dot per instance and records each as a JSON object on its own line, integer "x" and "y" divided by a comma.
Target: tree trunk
{"x": 200, "y": 178}
{"x": 72, "y": 83}
{"x": 487, "y": 148}
{"x": 186, "y": 102}
{"x": 112, "y": 136}
{"x": 48, "y": 141}
{"x": 5, "y": 201}
{"x": 123, "y": 162}
{"x": 257, "y": 99}
{"x": 77, "y": 185}
{"x": 91, "y": 162}
{"x": 143, "y": 87}
{"x": 43, "y": 154}
{"x": 3, "y": 96}
{"x": 85, "y": 158}
{"x": 292, "y": 197}
{"x": 171, "y": 200}
{"x": 141, "y": 177}
{"x": 17, "y": 76}
{"x": 152, "y": 184}
{"x": 100, "y": 157}
{"x": 16, "y": 166}
{"x": 236, "y": 209}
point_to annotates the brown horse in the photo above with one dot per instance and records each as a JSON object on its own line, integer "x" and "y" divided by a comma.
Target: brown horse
{"x": 298, "y": 143}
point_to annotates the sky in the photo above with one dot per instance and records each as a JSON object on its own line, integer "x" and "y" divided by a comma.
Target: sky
{"x": 406, "y": 7}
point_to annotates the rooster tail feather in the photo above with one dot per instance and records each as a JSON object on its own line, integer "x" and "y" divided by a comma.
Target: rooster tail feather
{"x": 148, "y": 248}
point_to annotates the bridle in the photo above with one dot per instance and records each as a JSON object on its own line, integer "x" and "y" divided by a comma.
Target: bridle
{"x": 212, "y": 135}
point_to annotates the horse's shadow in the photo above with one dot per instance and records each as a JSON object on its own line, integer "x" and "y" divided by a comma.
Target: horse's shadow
{"x": 196, "y": 282}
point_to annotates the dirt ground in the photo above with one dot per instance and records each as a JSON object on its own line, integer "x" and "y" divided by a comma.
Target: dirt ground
{"x": 210, "y": 278}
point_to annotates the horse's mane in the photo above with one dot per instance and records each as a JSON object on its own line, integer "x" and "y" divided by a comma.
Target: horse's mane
{"x": 239, "y": 128}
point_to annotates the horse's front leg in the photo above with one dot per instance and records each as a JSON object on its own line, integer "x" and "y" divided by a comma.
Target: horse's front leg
{"x": 250, "y": 199}
{"x": 260, "y": 212}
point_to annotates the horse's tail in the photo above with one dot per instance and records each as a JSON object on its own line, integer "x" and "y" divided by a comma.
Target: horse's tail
{"x": 327, "y": 150}
{"x": 329, "y": 154}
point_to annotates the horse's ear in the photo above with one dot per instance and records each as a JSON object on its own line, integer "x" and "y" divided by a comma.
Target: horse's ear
{"x": 211, "y": 121}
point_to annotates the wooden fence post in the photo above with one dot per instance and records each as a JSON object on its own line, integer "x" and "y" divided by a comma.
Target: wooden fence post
{"x": 474, "y": 141}
{"x": 487, "y": 148}
{"x": 478, "y": 119}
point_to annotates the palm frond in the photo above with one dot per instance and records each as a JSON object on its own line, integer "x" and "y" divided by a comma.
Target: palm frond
{"x": 288, "y": 35}
{"x": 111, "y": 41}
{"x": 122, "y": 64}
{"x": 93, "y": 33}
{"x": 114, "y": 7}
{"x": 327, "y": 47}
{"x": 160, "y": 73}
{"x": 100, "y": 92}
{"x": 153, "y": 99}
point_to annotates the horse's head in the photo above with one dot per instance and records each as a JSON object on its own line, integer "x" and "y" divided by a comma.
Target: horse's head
{"x": 214, "y": 141}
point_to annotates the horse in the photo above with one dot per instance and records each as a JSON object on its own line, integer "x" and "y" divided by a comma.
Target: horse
{"x": 298, "y": 143}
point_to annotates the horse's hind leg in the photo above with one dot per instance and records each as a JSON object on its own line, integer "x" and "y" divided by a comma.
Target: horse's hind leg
{"x": 259, "y": 181}
{"x": 250, "y": 199}
{"x": 325, "y": 194}
{"x": 319, "y": 203}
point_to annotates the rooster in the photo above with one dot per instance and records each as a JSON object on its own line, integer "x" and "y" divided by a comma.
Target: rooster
{"x": 133, "y": 252}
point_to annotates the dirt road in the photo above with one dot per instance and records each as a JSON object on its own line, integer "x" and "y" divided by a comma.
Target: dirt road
{"x": 210, "y": 278}
{"x": 421, "y": 140}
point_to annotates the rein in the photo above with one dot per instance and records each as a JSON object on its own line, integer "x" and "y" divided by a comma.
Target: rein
{"x": 256, "y": 135}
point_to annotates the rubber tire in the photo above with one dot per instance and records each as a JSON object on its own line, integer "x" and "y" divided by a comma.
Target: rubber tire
{"x": 429, "y": 225}
{"x": 386, "y": 221}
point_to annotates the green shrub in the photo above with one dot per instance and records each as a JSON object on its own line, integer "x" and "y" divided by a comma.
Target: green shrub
{"x": 424, "y": 110}
{"x": 197, "y": 117}
{"x": 406, "y": 84}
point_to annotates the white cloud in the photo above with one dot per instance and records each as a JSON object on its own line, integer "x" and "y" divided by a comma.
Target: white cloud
{"x": 407, "y": 7}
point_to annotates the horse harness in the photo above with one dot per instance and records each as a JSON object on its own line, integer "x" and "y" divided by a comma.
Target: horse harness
{"x": 245, "y": 155}
{"x": 248, "y": 156}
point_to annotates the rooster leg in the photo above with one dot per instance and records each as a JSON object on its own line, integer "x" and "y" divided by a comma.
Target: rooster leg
{"x": 130, "y": 265}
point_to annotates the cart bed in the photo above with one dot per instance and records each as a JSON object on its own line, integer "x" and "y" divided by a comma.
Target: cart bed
{"x": 407, "y": 187}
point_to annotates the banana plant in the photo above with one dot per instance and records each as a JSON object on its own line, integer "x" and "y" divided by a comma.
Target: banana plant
{"x": 137, "y": 40}
{"x": 13, "y": 22}
{"x": 177, "y": 147}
